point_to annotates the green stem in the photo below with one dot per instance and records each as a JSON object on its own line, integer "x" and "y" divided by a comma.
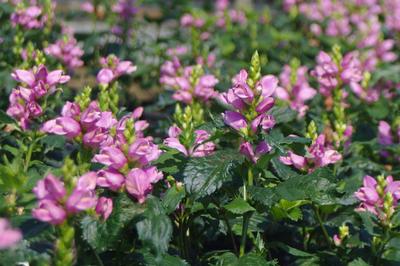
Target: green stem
{"x": 246, "y": 216}
{"x": 325, "y": 233}
{"x": 29, "y": 154}
{"x": 246, "y": 221}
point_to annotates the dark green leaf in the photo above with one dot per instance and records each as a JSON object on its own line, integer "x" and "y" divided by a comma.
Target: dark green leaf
{"x": 203, "y": 176}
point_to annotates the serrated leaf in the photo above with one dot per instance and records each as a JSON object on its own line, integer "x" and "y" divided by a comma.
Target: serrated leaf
{"x": 155, "y": 230}
{"x": 105, "y": 235}
{"x": 358, "y": 262}
{"x": 203, "y": 176}
{"x": 316, "y": 187}
{"x": 262, "y": 195}
{"x": 239, "y": 206}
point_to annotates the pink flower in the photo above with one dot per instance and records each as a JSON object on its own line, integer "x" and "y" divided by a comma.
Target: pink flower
{"x": 385, "y": 133}
{"x": 197, "y": 149}
{"x": 138, "y": 184}
{"x": 104, "y": 207}
{"x": 50, "y": 212}
{"x": 64, "y": 126}
{"x": 30, "y": 17}
{"x": 105, "y": 76}
{"x": 80, "y": 200}
{"x": 87, "y": 181}
{"x": 113, "y": 68}
{"x": 297, "y": 161}
{"x": 8, "y": 237}
{"x": 110, "y": 178}
{"x": 67, "y": 51}
{"x": 50, "y": 188}
{"x": 144, "y": 151}
{"x": 112, "y": 157}
{"x": 71, "y": 109}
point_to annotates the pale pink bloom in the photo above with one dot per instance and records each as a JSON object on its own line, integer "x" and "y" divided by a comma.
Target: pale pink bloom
{"x": 50, "y": 188}
{"x": 138, "y": 184}
{"x": 9, "y": 237}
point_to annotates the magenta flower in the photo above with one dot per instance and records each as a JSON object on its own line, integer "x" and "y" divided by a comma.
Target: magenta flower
{"x": 63, "y": 126}
{"x": 235, "y": 120}
{"x": 253, "y": 155}
{"x": 104, "y": 207}
{"x": 9, "y": 237}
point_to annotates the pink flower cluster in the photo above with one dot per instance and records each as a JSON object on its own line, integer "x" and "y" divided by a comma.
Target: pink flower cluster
{"x": 129, "y": 165}
{"x": 56, "y": 204}
{"x": 121, "y": 144}
{"x": 112, "y": 68}
{"x": 30, "y": 17}
{"x": 178, "y": 78}
{"x": 250, "y": 110}
{"x": 331, "y": 74}
{"x": 392, "y": 14}
{"x": 67, "y": 51}
{"x": 233, "y": 15}
{"x": 357, "y": 22}
{"x": 319, "y": 154}
{"x": 35, "y": 84}
{"x": 188, "y": 20}
{"x": 296, "y": 92}
{"x": 379, "y": 198}
{"x": 200, "y": 147}
{"x": 9, "y": 237}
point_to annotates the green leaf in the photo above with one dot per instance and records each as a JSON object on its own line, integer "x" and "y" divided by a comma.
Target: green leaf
{"x": 262, "y": 195}
{"x": 170, "y": 162}
{"x": 251, "y": 259}
{"x": 203, "y": 176}
{"x": 379, "y": 109}
{"x": 5, "y": 118}
{"x": 358, "y": 262}
{"x": 172, "y": 198}
{"x": 239, "y": 206}
{"x": 155, "y": 230}
{"x": 315, "y": 187}
{"x": 105, "y": 235}
{"x": 288, "y": 209}
{"x": 283, "y": 114}
{"x": 283, "y": 171}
